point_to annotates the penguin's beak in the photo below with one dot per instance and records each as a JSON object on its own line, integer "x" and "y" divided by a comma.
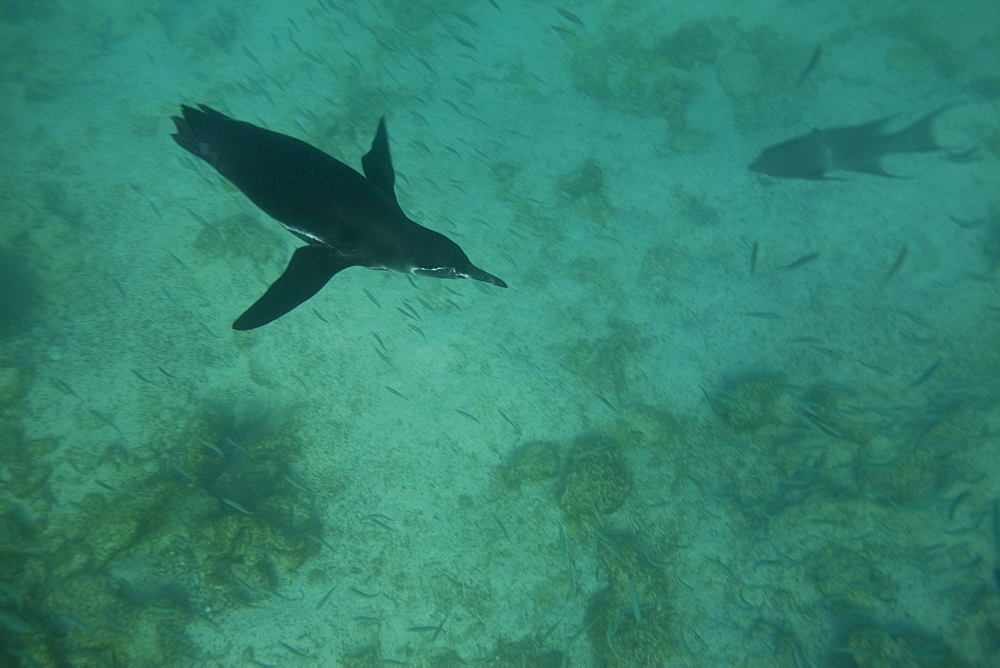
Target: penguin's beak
{"x": 478, "y": 274}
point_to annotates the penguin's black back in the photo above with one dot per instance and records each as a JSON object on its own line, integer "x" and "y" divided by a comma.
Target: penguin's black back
{"x": 293, "y": 182}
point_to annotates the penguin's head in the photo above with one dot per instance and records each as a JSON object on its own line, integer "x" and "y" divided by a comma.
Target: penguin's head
{"x": 440, "y": 257}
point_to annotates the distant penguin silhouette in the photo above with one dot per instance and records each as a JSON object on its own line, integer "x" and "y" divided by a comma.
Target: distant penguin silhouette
{"x": 345, "y": 218}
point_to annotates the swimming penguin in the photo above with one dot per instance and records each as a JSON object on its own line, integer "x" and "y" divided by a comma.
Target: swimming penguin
{"x": 345, "y": 218}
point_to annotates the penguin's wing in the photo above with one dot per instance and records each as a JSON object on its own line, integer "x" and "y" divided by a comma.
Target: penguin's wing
{"x": 377, "y": 162}
{"x": 308, "y": 271}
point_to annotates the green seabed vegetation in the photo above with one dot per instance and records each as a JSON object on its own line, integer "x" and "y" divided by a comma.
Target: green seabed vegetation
{"x": 820, "y": 464}
{"x": 19, "y": 294}
{"x": 217, "y": 521}
{"x": 629, "y": 618}
{"x": 662, "y": 75}
{"x": 124, "y": 574}
{"x": 644, "y": 77}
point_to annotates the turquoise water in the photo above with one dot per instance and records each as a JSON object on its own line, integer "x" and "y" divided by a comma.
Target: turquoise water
{"x": 717, "y": 419}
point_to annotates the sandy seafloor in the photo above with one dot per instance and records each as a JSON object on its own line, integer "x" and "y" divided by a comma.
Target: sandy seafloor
{"x": 640, "y": 453}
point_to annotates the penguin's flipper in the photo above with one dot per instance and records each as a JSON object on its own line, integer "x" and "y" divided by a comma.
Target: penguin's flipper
{"x": 309, "y": 270}
{"x": 377, "y": 162}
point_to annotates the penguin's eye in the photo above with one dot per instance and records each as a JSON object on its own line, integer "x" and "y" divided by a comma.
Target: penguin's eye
{"x": 436, "y": 272}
